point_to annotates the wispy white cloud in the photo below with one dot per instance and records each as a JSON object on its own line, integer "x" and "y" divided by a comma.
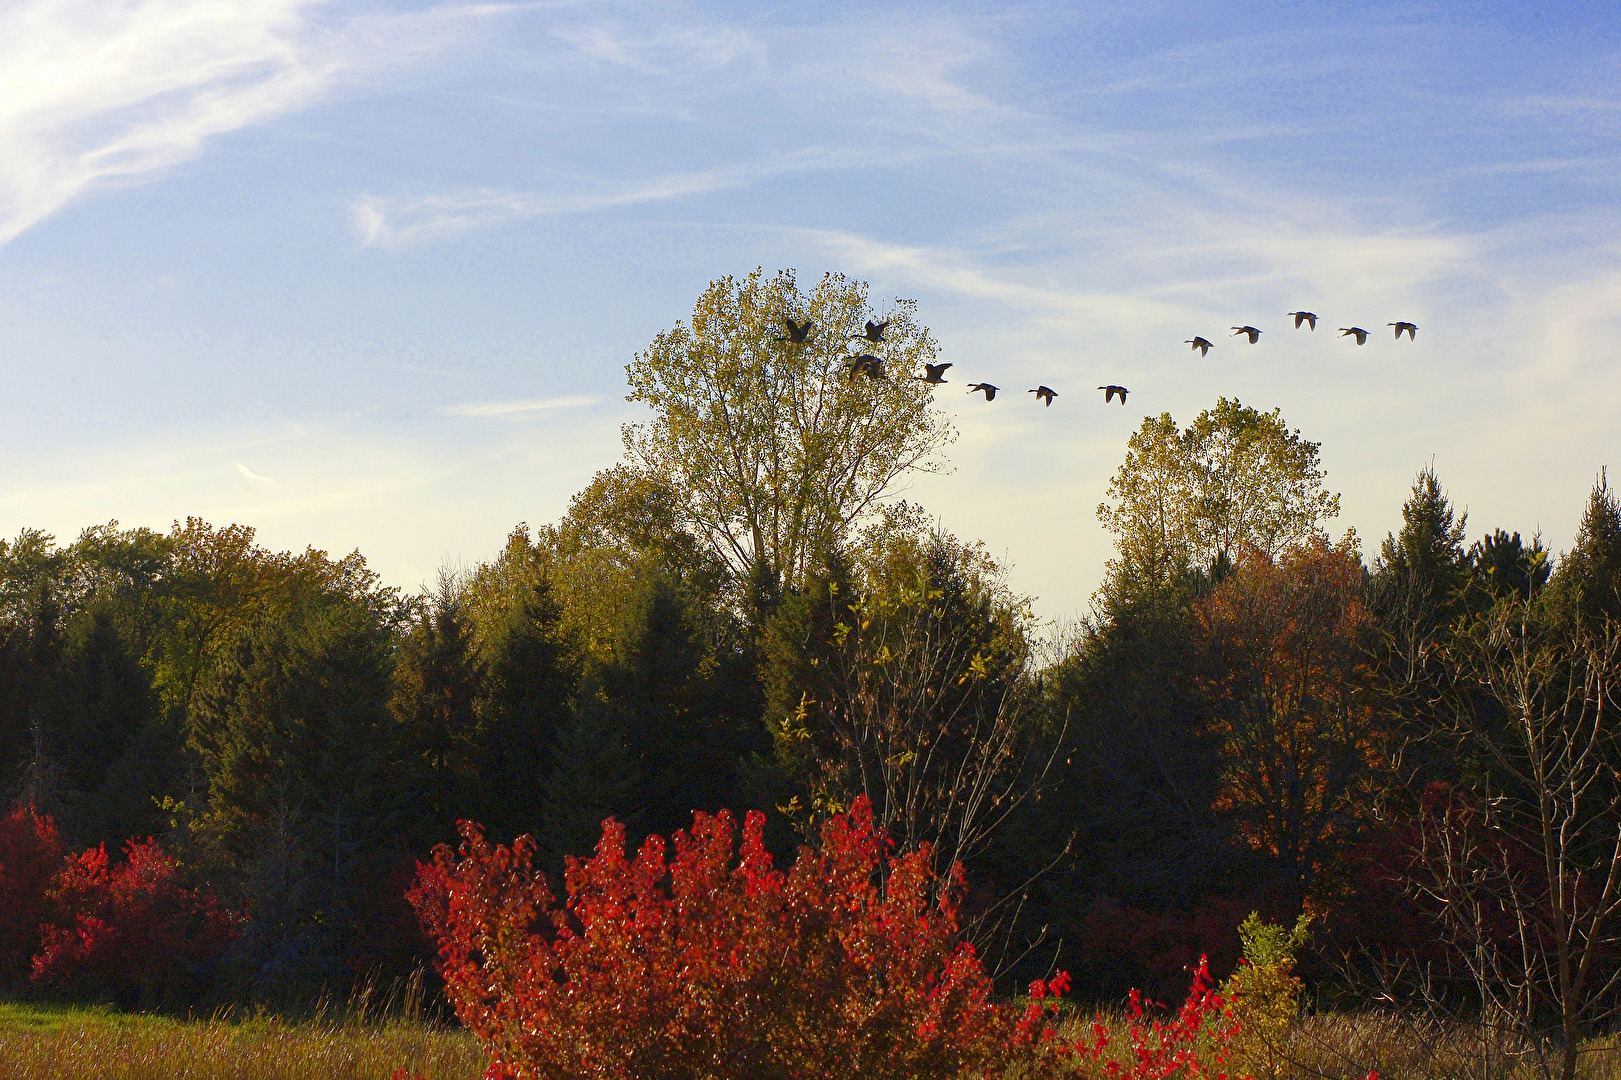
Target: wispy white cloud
{"x": 520, "y": 410}
{"x": 389, "y": 223}
{"x": 255, "y": 477}
{"x": 96, "y": 91}
{"x": 663, "y": 50}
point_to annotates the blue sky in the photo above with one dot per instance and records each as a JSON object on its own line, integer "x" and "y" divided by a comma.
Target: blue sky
{"x": 367, "y": 275}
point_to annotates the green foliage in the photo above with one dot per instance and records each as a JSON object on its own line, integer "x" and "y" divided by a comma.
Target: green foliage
{"x": 1184, "y": 500}
{"x": 1588, "y": 584}
{"x": 1265, "y": 994}
{"x": 905, "y": 679}
{"x": 302, "y": 763}
{"x": 1422, "y": 571}
{"x": 1504, "y": 565}
{"x": 767, "y": 450}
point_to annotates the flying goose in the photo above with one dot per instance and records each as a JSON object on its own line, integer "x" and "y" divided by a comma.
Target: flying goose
{"x": 875, "y": 331}
{"x": 990, "y": 391}
{"x": 933, "y": 373}
{"x": 1412, "y": 331}
{"x": 1361, "y": 334}
{"x": 1304, "y": 317}
{"x": 868, "y": 365}
{"x": 1201, "y": 344}
{"x": 1111, "y": 390}
{"x": 798, "y": 333}
{"x": 1255, "y": 335}
{"x": 1046, "y": 394}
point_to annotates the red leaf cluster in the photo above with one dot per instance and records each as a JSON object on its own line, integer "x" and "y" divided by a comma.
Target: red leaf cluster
{"x": 132, "y": 924}
{"x": 684, "y": 961}
{"x": 30, "y": 858}
{"x": 84, "y": 921}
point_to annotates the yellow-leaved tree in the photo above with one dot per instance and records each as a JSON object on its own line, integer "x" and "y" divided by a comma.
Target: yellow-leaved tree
{"x": 768, "y": 449}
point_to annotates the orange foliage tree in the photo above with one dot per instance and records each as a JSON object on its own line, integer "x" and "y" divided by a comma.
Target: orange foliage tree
{"x": 1280, "y": 663}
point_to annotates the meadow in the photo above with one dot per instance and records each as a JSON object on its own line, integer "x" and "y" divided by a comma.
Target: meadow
{"x": 58, "y": 1042}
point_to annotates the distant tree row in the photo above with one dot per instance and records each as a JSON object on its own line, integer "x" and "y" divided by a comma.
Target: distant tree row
{"x": 741, "y": 614}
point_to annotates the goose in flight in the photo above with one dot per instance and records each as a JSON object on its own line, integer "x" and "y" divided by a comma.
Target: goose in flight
{"x": 990, "y": 391}
{"x": 1111, "y": 390}
{"x": 1201, "y": 344}
{"x": 868, "y": 365}
{"x": 933, "y": 373}
{"x": 1255, "y": 335}
{"x": 1361, "y": 334}
{"x": 1412, "y": 331}
{"x": 875, "y": 331}
{"x": 798, "y": 333}
{"x": 1046, "y": 394}
{"x": 1304, "y": 317}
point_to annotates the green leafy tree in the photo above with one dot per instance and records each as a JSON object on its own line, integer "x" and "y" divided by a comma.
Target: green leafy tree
{"x": 1185, "y": 499}
{"x": 769, "y": 449}
{"x": 905, "y": 679}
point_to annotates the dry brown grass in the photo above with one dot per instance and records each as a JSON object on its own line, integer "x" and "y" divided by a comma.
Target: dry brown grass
{"x": 1346, "y": 1046}
{"x": 78, "y": 1044}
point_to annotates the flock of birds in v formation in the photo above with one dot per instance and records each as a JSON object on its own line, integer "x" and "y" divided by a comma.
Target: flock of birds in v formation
{"x": 935, "y": 374}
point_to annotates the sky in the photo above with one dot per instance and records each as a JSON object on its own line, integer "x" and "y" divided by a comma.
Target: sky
{"x": 367, "y": 275}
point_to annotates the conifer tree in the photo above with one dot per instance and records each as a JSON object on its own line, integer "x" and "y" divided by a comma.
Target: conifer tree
{"x": 1589, "y": 576}
{"x": 532, "y": 673}
{"x": 1422, "y": 571}
{"x": 438, "y": 681}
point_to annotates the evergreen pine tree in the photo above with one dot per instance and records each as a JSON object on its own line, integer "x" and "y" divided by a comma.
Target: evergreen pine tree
{"x": 438, "y": 681}
{"x": 1422, "y": 571}
{"x": 532, "y": 674}
{"x": 1589, "y": 576}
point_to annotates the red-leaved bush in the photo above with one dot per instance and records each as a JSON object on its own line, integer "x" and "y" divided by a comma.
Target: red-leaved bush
{"x": 701, "y": 965}
{"x": 132, "y": 926}
{"x": 30, "y": 857}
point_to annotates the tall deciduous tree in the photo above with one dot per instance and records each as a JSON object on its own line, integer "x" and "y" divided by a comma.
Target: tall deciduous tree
{"x": 1281, "y": 648}
{"x": 1186, "y": 500}
{"x": 770, "y": 448}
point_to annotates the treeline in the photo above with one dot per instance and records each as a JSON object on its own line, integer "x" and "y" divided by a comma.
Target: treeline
{"x": 1256, "y": 715}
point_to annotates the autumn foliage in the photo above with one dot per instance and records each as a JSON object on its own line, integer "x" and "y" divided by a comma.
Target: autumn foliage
{"x": 134, "y": 928}
{"x": 30, "y": 858}
{"x": 134, "y": 925}
{"x": 692, "y": 960}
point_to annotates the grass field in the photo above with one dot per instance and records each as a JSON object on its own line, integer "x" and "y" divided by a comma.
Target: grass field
{"x": 68, "y": 1043}
{"x": 77, "y": 1043}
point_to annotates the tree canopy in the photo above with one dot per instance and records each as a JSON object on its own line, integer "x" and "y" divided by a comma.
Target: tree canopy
{"x": 1185, "y": 499}
{"x": 769, "y": 449}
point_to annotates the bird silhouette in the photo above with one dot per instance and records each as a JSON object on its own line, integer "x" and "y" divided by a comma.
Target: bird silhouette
{"x": 1201, "y": 344}
{"x": 798, "y": 333}
{"x": 1361, "y": 334}
{"x": 1304, "y": 317}
{"x": 1412, "y": 331}
{"x": 868, "y": 365}
{"x": 1046, "y": 394}
{"x": 933, "y": 373}
{"x": 1255, "y": 335}
{"x": 1111, "y": 390}
{"x": 875, "y": 331}
{"x": 990, "y": 391}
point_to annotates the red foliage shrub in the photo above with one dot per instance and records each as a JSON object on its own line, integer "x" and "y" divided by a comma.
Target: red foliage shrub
{"x": 1161, "y": 1049}
{"x": 699, "y": 966}
{"x": 135, "y": 925}
{"x": 30, "y": 856}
